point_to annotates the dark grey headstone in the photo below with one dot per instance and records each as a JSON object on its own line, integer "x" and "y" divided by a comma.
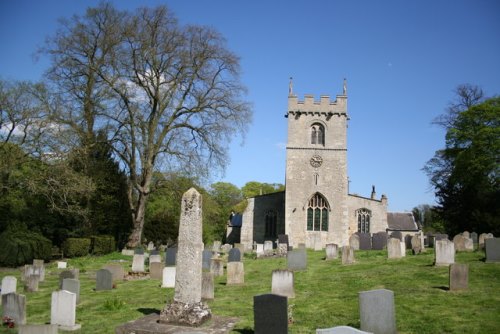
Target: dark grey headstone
{"x": 154, "y": 252}
{"x": 492, "y": 248}
{"x": 171, "y": 257}
{"x": 234, "y": 255}
{"x": 297, "y": 259}
{"x": 397, "y": 234}
{"x": 377, "y": 312}
{"x": 72, "y": 285}
{"x": 73, "y": 273}
{"x": 379, "y": 240}
{"x": 474, "y": 237}
{"x": 104, "y": 280}
{"x": 270, "y": 314}
{"x": 139, "y": 251}
{"x": 365, "y": 241}
{"x": 205, "y": 261}
{"x": 283, "y": 239}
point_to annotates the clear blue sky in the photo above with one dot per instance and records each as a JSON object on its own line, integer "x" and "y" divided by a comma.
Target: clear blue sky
{"x": 402, "y": 60}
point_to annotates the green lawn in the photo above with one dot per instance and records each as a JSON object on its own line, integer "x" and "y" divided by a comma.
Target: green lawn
{"x": 326, "y": 294}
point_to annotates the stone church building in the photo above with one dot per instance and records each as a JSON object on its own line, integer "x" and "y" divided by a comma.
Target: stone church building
{"x": 316, "y": 206}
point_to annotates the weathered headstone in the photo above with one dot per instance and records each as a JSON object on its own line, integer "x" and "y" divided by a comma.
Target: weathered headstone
{"x": 31, "y": 283}
{"x": 241, "y": 247}
{"x": 466, "y": 234}
{"x": 62, "y": 265}
{"x": 234, "y": 255}
{"x": 9, "y": 285}
{"x": 37, "y": 329}
{"x": 416, "y": 244}
{"x": 297, "y": 259}
{"x": 156, "y": 270}
{"x": 225, "y": 248}
{"x": 104, "y": 280}
{"x": 268, "y": 247}
{"x": 138, "y": 263}
{"x": 469, "y": 245}
{"x": 207, "y": 285}
{"x": 187, "y": 307}
{"x": 151, "y": 246}
{"x": 63, "y": 310}
{"x": 459, "y": 241}
{"x": 14, "y": 307}
{"x": 259, "y": 250}
{"x": 444, "y": 252}
{"x": 72, "y": 285}
{"x": 235, "y": 273}
{"x": 474, "y": 238}
{"x": 331, "y": 251}
{"x": 347, "y": 255}
{"x": 283, "y": 239}
{"x": 492, "y": 249}
{"x": 154, "y": 258}
{"x": 379, "y": 240}
{"x": 216, "y": 246}
{"x": 365, "y": 241}
{"x": 459, "y": 276}
{"x": 168, "y": 277}
{"x": 270, "y": 314}
{"x": 340, "y": 330}
{"x": 377, "y": 312}
{"x": 206, "y": 258}
{"x": 116, "y": 270}
{"x": 72, "y": 273}
{"x": 39, "y": 268}
{"x": 217, "y": 267}
{"x": 354, "y": 242}
{"x": 282, "y": 283}
{"x": 171, "y": 256}
{"x": 282, "y": 249}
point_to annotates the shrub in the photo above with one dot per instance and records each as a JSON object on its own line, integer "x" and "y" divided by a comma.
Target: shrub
{"x": 20, "y": 246}
{"x": 74, "y": 247}
{"x": 103, "y": 244}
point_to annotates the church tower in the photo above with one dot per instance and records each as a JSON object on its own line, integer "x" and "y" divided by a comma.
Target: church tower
{"x": 316, "y": 198}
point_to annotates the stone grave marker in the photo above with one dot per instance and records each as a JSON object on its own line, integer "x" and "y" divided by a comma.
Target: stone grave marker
{"x": 444, "y": 252}
{"x": 347, "y": 255}
{"x": 139, "y": 251}
{"x": 217, "y": 267}
{"x": 14, "y": 307}
{"x": 466, "y": 234}
{"x": 187, "y": 307}
{"x": 268, "y": 247}
{"x": 331, "y": 251}
{"x": 282, "y": 249}
{"x": 354, "y": 242}
{"x": 459, "y": 276}
{"x": 31, "y": 283}
{"x": 234, "y": 255}
{"x": 379, "y": 240}
{"x": 9, "y": 285}
{"x": 459, "y": 241}
{"x": 283, "y": 239}
{"x": 492, "y": 248}
{"x": 207, "y": 286}
{"x": 37, "y": 329}
{"x": 39, "y": 269}
{"x": 63, "y": 310}
{"x": 72, "y": 285}
{"x": 469, "y": 245}
{"x": 206, "y": 258}
{"x": 62, "y": 265}
{"x": 72, "y": 273}
{"x": 270, "y": 314}
{"x": 225, "y": 248}
{"x": 116, "y": 270}
{"x": 282, "y": 283}
{"x": 340, "y": 330}
{"x": 365, "y": 241}
{"x": 151, "y": 246}
{"x": 171, "y": 256}
{"x": 27, "y": 271}
{"x": 104, "y": 280}
{"x": 297, "y": 259}
{"x": 217, "y": 246}
{"x": 416, "y": 244}
{"x": 259, "y": 250}
{"x": 474, "y": 238}
{"x": 377, "y": 312}
{"x": 235, "y": 273}
{"x": 138, "y": 263}
{"x": 241, "y": 247}
{"x": 156, "y": 270}
{"x": 168, "y": 277}
{"x": 154, "y": 258}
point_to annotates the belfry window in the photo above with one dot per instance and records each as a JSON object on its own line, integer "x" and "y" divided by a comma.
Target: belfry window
{"x": 271, "y": 224}
{"x": 364, "y": 216}
{"x": 317, "y": 134}
{"x": 317, "y": 213}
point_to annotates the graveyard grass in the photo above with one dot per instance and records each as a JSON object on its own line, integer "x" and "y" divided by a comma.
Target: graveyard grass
{"x": 326, "y": 294}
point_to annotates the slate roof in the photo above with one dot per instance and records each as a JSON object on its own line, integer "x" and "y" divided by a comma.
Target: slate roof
{"x": 402, "y": 221}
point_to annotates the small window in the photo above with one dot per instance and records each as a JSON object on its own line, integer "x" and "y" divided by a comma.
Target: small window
{"x": 317, "y": 134}
{"x": 317, "y": 213}
{"x": 364, "y": 217}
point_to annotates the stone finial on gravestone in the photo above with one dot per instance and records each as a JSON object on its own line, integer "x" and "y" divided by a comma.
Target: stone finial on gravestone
{"x": 331, "y": 251}
{"x": 459, "y": 276}
{"x": 283, "y": 283}
{"x": 347, "y": 255}
{"x": 354, "y": 241}
{"x": 63, "y": 310}
{"x": 234, "y": 255}
{"x": 377, "y": 312}
{"x": 187, "y": 308}
{"x": 14, "y": 307}
{"x": 104, "y": 280}
{"x": 444, "y": 252}
{"x": 270, "y": 314}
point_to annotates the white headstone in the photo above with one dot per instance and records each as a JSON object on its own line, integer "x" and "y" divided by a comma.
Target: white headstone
{"x": 444, "y": 252}
{"x": 9, "y": 285}
{"x": 63, "y": 310}
{"x": 138, "y": 263}
{"x": 331, "y": 251}
{"x": 283, "y": 283}
{"x": 62, "y": 265}
{"x": 168, "y": 280}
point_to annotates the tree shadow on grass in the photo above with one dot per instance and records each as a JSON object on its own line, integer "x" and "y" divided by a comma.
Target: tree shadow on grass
{"x": 244, "y": 331}
{"x": 442, "y": 287}
{"x": 148, "y": 311}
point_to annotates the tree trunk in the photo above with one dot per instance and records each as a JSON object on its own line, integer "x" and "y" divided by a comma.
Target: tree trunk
{"x": 134, "y": 240}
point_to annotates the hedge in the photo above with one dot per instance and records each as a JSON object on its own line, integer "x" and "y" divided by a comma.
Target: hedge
{"x": 74, "y": 247}
{"x": 103, "y": 244}
{"x": 19, "y": 247}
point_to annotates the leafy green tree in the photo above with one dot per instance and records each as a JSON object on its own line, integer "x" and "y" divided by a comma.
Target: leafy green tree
{"x": 254, "y": 188}
{"x": 465, "y": 174}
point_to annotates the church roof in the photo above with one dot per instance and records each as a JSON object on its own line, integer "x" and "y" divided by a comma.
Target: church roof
{"x": 402, "y": 221}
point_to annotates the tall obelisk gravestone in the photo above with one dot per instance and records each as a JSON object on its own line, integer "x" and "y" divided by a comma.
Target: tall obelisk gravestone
{"x": 187, "y": 308}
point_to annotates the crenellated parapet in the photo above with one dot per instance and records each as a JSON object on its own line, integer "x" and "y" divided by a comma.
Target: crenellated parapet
{"x": 322, "y": 106}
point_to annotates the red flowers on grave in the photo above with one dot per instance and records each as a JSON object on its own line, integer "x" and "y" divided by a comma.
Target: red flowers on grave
{"x": 9, "y": 322}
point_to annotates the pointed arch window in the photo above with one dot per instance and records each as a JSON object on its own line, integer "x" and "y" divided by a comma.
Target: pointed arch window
{"x": 317, "y": 213}
{"x": 364, "y": 216}
{"x": 317, "y": 134}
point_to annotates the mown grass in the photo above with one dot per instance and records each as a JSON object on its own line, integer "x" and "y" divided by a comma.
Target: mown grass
{"x": 326, "y": 294}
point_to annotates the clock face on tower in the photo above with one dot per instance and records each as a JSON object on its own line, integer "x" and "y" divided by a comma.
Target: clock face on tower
{"x": 316, "y": 160}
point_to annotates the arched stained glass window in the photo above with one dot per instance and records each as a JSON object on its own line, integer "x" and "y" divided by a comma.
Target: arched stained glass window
{"x": 317, "y": 213}
{"x": 364, "y": 217}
